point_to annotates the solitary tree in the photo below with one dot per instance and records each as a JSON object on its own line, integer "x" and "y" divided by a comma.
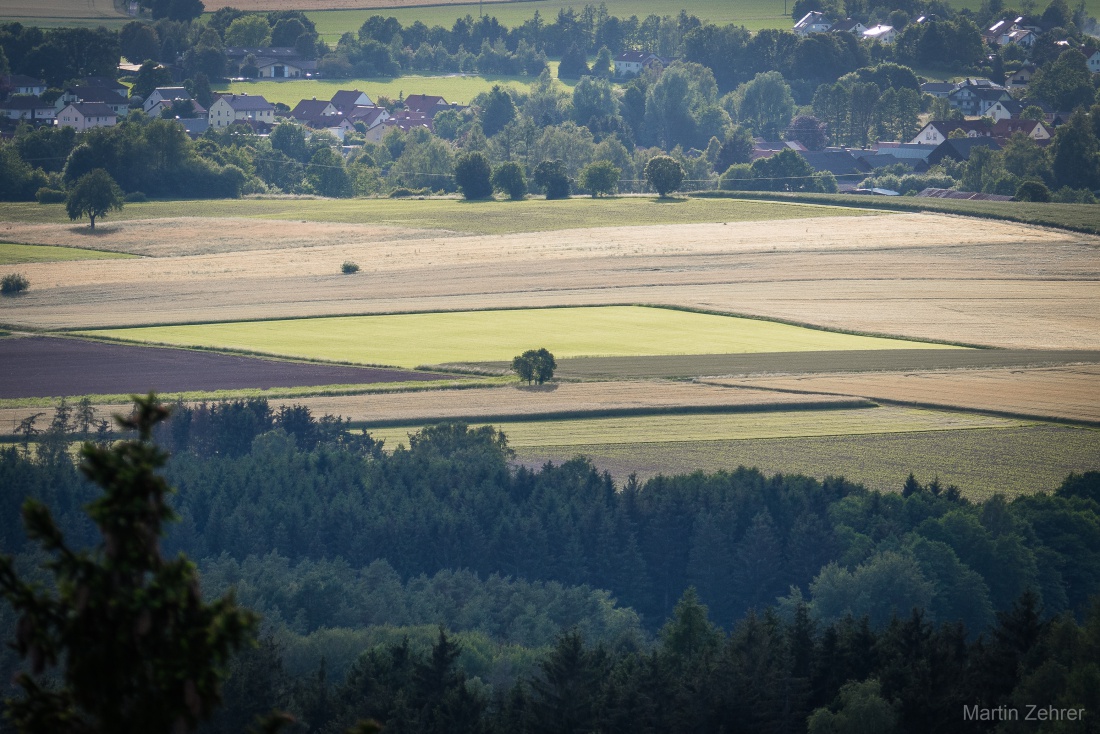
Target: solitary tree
{"x": 535, "y": 365}
{"x": 473, "y": 176}
{"x": 663, "y": 173}
{"x": 138, "y": 649}
{"x": 93, "y": 195}
{"x": 600, "y": 177}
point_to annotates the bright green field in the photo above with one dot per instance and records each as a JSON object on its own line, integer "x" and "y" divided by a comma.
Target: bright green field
{"x": 410, "y": 340}
{"x": 657, "y": 429}
{"x": 753, "y": 14}
{"x": 1012, "y": 460}
{"x": 454, "y": 88}
{"x": 477, "y": 217}
{"x": 16, "y": 254}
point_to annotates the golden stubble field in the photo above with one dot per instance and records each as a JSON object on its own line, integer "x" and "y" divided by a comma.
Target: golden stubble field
{"x": 1068, "y": 393}
{"x": 916, "y": 275}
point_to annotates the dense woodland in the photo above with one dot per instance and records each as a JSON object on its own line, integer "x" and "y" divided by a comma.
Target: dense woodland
{"x": 566, "y": 603}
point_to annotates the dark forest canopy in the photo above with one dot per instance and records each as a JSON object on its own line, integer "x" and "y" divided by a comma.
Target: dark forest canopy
{"x": 783, "y": 602}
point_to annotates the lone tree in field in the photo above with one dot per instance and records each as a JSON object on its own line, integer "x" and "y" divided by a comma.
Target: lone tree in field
{"x": 138, "y": 650}
{"x": 93, "y": 195}
{"x": 601, "y": 177}
{"x": 663, "y": 173}
{"x": 473, "y": 176}
{"x": 534, "y": 365}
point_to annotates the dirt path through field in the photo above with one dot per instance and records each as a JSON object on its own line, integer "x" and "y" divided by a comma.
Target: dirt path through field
{"x": 1068, "y": 393}
{"x": 917, "y": 275}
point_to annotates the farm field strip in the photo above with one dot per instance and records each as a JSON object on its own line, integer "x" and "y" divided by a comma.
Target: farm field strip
{"x": 999, "y": 284}
{"x": 12, "y": 254}
{"x": 1067, "y": 393}
{"x": 411, "y": 340}
{"x": 451, "y": 214}
{"x": 660, "y": 429}
{"x": 701, "y": 365}
{"x": 44, "y": 367}
{"x": 1009, "y": 461}
{"x": 517, "y": 402}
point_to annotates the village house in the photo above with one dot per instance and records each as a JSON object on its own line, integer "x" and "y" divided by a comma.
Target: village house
{"x": 1034, "y": 129}
{"x": 960, "y": 148}
{"x": 1006, "y": 110}
{"x": 975, "y": 96}
{"x": 193, "y": 109}
{"x": 119, "y": 104}
{"x": 812, "y": 22}
{"x": 272, "y": 62}
{"x": 308, "y": 109}
{"x": 372, "y": 118}
{"x": 937, "y": 131}
{"x": 86, "y": 115}
{"x": 22, "y": 84}
{"x": 938, "y": 89}
{"x": 346, "y": 99}
{"x": 163, "y": 94}
{"x": 429, "y": 104}
{"x": 28, "y": 108}
{"x": 1092, "y": 59}
{"x": 1020, "y": 78}
{"x": 228, "y": 108}
{"x": 881, "y": 33}
{"x": 632, "y": 63}
{"x": 849, "y": 26}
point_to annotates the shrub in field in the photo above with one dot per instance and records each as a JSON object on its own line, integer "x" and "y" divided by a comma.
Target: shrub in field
{"x": 473, "y": 175}
{"x": 551, "y": 176}
{"x": 13, "y": 283}
{"x": 1032, "y": 191}
{"x": 136, "y": 197}
{"x": 535, "y": 365}
{"x": 601, "y": 177}
{"x": 508, "y": 178}
{"x": 663, "y": 173}
{"x": 401, "y": 192}
{"x": 47, "y": 195}
{"x": 349, "y": 267}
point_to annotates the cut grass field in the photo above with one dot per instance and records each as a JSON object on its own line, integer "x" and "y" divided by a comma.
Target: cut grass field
{"x": 1065, "y": 393}
{"x": 411, "y": 340}
{"x": 660, "y": 429}
{"x": 452, "y": 214}
{"x": 1076, "y": 217}
{"x": 11, "y": 254}
{"x": 455, "y": 88}
{"x": 1011, "y": 461}
{"x": 36, "y": 12}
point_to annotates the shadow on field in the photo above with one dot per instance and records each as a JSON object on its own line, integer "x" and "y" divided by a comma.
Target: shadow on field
{"x": 551, "y": 387}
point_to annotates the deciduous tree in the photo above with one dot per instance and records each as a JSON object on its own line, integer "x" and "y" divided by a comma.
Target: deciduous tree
{"x": 94, "y": 194}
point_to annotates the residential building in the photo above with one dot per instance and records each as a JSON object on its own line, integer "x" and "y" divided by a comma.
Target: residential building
{"x": 1006, "y": 110}
{"x": 975, "y": 96}
{"x": 22, "y": 84}
{"x": 960, "y": 148}
{"x": 345, "y": 99}
{"x": 631, "y": 63}
{"x": 812, "y": 22}
{"x": 86, "y": 115}
{"x": 1034, "y": 129}
{"x": 1092, "y": 58}
{"x": 1021, "y": 78}
{"x": 119, "y": 104}
{"x": 849, "y": 26}
{"x": 937, "y": 131}
{"x": 938, "y": 89}
{"x": 194, "y": 109}
{"x": 229, "y": 108}
{"x": 308, "y": 109}
{"x": 164, "y": 94}
{"x": 27, "y": 107}
{"x": 881, "y": 33}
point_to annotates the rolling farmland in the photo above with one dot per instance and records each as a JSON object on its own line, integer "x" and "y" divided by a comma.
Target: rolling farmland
{"x": 410, "y": 340}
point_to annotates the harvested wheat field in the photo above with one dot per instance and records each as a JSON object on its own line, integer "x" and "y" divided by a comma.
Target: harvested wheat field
{"x": 557, "y": 400}
{"x": 1065, "y": 393}
{"x": 990, "y": 283}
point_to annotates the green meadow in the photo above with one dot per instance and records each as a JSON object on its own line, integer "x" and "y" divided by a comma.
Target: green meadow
{"x": 457, "y": 215}
{"x": 410, "y": 340}
{"x": 455, "y": 88}
{"x": 16, "y": 254}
